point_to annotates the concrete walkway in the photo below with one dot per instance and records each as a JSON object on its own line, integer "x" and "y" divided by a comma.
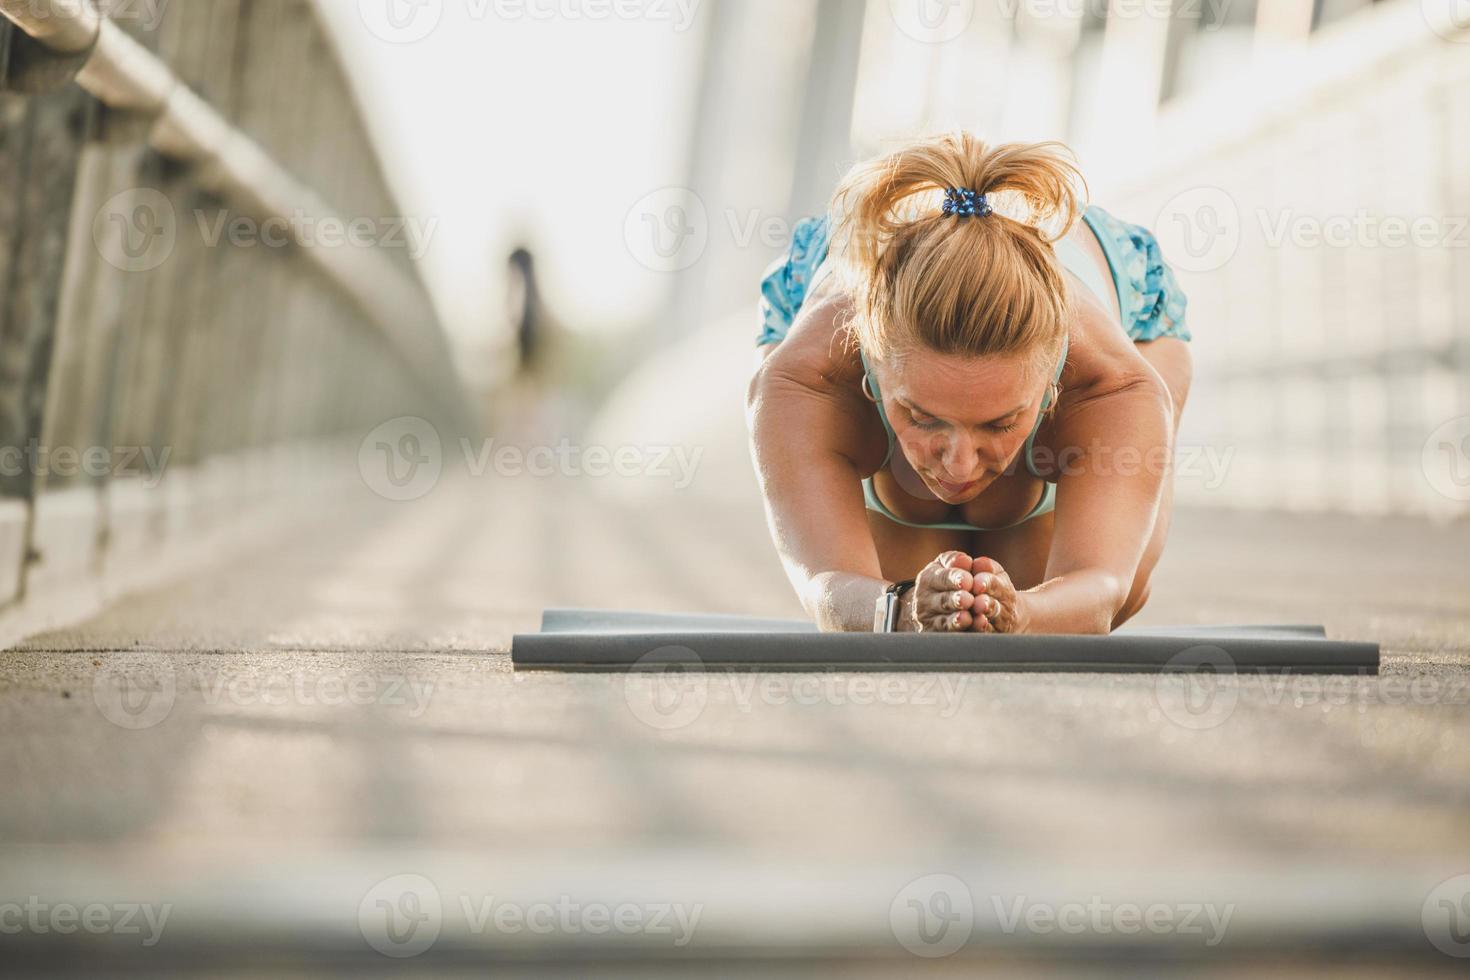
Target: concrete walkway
{"x": 302, "y": 751}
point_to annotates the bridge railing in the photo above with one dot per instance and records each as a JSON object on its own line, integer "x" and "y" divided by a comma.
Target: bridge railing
{"x": 185, "y": 321}
{"x": 1317, "y": 210}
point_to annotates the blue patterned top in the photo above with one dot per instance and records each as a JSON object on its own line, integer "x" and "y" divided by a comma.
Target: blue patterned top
{"x": 1150, "y": 301}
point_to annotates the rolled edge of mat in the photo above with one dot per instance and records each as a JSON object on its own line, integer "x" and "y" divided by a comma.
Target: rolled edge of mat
{"x": 591, "y": 621}
{"x": 599, "y": 621}
{"x": 908, "y": 651}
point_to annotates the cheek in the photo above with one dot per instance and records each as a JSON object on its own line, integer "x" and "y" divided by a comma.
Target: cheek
{"x": 919, "y": 445}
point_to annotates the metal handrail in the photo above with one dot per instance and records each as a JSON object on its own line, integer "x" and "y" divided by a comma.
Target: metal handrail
{"x": 127, "y": 76}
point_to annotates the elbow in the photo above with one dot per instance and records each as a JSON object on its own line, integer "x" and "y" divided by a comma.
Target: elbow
{"x": 1160, "y": 400}
{"x": 1113, "y": 594}
{"x": 758, "y": 395}
{"x": 759, "y": 386}
{"x": 821, "y": 598}
{"x": 1166, "y": 402}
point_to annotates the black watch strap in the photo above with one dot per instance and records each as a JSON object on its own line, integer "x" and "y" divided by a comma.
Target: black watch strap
{"x": 885, "y": 615}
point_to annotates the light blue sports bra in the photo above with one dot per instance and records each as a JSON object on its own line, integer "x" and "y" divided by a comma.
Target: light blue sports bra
{"x": 1076, "y": 261}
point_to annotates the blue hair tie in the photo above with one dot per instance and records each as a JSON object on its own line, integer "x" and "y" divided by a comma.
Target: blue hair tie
{"x": 965, "y": 203}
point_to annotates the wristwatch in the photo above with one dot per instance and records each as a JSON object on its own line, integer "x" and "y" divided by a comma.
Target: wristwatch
{"x": 885, "y": 615}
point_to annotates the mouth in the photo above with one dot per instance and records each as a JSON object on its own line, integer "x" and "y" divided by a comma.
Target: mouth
{"x": 955, "y": 489}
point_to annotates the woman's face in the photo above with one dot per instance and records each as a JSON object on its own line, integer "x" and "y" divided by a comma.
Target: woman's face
{"x": 960, "y": 421}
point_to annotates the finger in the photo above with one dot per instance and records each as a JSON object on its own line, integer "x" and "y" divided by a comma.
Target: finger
{"x": 990, "y": 565}
{"x": 948, "y": 622}
{"x": 940, "y": 604}
{"x": 956, "y": 559}
{"x": 997, "y": 585}
{"x": 960, "y": 622}
{"x": 942, "y": 578}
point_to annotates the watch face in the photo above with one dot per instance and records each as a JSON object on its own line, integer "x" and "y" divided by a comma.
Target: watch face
{"x": 883, "y": 615}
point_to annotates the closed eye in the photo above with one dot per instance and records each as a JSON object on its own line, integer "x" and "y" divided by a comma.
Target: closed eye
{"x": 924, "y": 421}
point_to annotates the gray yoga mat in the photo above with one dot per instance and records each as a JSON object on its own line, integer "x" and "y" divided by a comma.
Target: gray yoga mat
{"x": 611, "y": 640}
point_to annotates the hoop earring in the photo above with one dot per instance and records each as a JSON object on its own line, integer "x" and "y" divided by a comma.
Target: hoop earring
{"x": 867, "y": 392}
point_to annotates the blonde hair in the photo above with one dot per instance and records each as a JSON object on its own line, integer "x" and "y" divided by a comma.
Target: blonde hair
{"x": 979, "y": 285}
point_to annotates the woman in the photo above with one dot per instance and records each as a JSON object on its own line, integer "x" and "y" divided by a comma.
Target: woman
{"x": 982, "y": 402}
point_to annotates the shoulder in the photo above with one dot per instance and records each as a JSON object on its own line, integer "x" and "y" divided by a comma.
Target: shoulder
{"x": 818, "y": 349}
{"x": 1101, "y": 356}
{"x": 813, "y": 380}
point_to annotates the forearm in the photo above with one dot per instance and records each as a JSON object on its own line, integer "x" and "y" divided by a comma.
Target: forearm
{"x": 843, "y": 602}
{"x": 1085, "y": 601}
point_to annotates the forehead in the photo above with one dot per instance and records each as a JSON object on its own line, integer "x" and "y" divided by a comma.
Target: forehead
{"x": 959, "y": 387}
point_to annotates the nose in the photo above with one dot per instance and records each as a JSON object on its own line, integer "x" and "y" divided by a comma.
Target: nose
{"x": 958, "y": 455}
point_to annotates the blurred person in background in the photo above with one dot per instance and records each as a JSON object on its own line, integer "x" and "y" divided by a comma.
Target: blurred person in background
{"x": 533, "y": 405}
{"x": 982, "y": 402}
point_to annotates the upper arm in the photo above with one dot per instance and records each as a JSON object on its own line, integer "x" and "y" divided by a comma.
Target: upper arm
{"x": 811, "y": 439}
{"x": 1113, "y": 440}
